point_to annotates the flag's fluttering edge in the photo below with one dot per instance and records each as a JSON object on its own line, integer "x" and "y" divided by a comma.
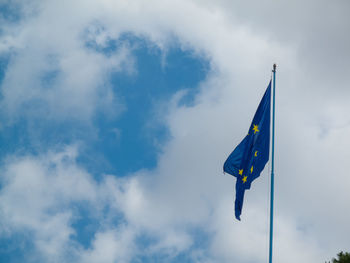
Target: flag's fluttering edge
{"x": 248, "y": 159}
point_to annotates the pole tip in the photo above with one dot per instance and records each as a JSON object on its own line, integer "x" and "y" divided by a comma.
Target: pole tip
{"x": 274, "y": 68}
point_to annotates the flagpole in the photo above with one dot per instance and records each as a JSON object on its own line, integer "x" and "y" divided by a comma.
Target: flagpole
{"x": 272, "y": 163}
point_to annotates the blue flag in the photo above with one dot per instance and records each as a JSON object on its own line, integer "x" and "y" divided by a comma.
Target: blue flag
{"x": 248, "y": 159}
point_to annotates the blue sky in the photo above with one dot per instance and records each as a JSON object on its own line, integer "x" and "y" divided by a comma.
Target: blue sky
{"x": 118, "y": 145}
{"x": 116, "y": 118}
{"x": 130, "y": 141}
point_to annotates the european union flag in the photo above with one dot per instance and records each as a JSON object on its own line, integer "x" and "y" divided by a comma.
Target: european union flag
{"x": 250, "y": 156}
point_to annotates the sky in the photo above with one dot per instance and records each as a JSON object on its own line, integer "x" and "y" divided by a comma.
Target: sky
{"x": 117, "y": 116}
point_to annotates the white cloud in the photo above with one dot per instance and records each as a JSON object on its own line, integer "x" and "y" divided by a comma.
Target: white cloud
{"x": 43, "y": 196}
{"x": 52, "y": 73}
{"x": 35, "y": 194}
{"x": 186, "y": 189}
{"x": 111, "y": 246}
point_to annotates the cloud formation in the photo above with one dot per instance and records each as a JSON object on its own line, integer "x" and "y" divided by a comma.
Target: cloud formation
{"x": 60, "y": 58}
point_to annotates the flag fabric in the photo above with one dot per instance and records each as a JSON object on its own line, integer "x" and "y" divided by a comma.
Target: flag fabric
{"x": 248, "y": 159}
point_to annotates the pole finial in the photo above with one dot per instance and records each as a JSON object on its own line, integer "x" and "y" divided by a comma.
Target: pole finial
{"x": 274, "y": 68}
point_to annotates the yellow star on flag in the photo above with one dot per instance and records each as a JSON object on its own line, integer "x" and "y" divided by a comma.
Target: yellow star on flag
{"x": 255, "y": 128}
{"x": 240, "y": 172}
{"x": 256, "y": 154}
{"x": 251, "y": 169}
{"x": 244, "y": 179}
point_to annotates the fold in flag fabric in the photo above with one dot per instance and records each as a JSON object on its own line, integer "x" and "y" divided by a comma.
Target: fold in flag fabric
{"x": 248, "y": 159}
